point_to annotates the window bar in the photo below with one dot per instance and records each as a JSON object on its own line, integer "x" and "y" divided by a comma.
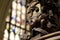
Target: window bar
{"x": 18, "y": 20}
{"x": 6, "y": 31}
{"x": 13, "y": 21}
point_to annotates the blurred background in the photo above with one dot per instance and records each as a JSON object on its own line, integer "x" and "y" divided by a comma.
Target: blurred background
{"x": 29, "y": 19}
